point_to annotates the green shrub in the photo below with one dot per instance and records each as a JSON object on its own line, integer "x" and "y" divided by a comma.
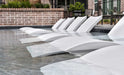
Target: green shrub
{"x": 38, "y": 5}
{"x": 3, "y": 6}
{"x": 113, "y": 20}
{"x": 23, "y": 4}
{"x": 46, "y": 6}
{"x": 106, "y": 20}
{"x": 17, "y": 4}
{"x": 27, "y": 4}
{"x": 77, "y": 6}
{"x": 12, "y": 4}
{"x": 71, "y": 7}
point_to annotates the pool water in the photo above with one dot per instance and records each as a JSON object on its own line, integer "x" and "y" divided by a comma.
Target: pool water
{"x": 16, "y": 60}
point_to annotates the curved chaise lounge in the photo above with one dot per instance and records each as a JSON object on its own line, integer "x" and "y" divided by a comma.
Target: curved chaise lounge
{"x": 104, "y": 61}
{"x": 54, "y": 27}
{"x": 87, "y": 26}
{"x": 72, "y": 44}
{"x": 63, "y": 26}
{"x": 61, "y": 33}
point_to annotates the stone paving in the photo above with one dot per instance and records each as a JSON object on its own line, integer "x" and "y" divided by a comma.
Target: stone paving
{"x": 16, "y": 60}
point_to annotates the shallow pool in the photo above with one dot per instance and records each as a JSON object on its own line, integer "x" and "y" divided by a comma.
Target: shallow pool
{"x": 15, "y": 59}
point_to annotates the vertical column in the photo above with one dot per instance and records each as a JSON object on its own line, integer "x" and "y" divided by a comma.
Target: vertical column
{"x": 104, "y": 7}
{"x": 111, "y": 7}
{"x": 96, "y": 5}
{"x": 122, "y": 5}
{"x": 65, "y": 4}
{"x": 71, "y": 1}
{"x": 91, "y": 4}
{"x": 118, "y": 6}
{"x": 57, "y": 4}
{"x": 74, "y": 1}
{"x": 99, "y": 7}
{"x": 53, "y": 3}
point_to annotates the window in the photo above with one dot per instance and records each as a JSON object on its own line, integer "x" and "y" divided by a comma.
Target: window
{"x": 96, "y": 5}
{"x": 111, "y": 7}
{"x": 61, "y": 3}
{"x": 104, "y": 7}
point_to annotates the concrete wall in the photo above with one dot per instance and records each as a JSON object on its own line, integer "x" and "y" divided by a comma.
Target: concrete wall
{"x": 31, "y": 16}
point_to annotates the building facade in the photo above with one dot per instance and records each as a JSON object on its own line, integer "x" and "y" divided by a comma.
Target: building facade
{"x": 109, "y": 7}
{"x": 104, "y": 7}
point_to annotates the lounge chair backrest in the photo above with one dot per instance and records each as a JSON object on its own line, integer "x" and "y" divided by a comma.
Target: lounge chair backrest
{"x": 88, "y": 25}
{"x": 76, "y": 23}
{"x": 65, "y": 24}
{"x": 57, "y": 24}
{"x": 111, "y": 57}
{"x": 118, "y": 30}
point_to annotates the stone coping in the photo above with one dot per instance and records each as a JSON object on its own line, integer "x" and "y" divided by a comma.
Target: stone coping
{"x": 31, "y": 9}
{"x": 98, "y": 28}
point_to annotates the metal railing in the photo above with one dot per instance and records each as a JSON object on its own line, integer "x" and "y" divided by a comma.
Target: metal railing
{"x": 113, "y": 18}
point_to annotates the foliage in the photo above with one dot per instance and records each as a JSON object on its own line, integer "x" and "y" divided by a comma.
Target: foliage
{"x": 77, "y": 6}
{"x": 71, "y": 7}
{"x": 106, "y": 20}
{"x": 4, "y": 6}
{"x": 38, "y": 5}
{"x": 17, "y": 4}
{"x": 23, "y": 4}
{"x": 110, "y": 11}
{"x": 46, "y": 6}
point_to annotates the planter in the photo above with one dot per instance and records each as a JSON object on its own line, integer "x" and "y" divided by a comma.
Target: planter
{"x": 77, "y": 12}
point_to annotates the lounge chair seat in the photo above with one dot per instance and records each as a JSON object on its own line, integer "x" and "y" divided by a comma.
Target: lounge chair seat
{"x": 78, "y": 44}
{"x": 104, "y": 61}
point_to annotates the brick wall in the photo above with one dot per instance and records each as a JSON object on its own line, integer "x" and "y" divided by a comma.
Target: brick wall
{"x": 122, "y": 5}
{"x": 31, "y": 16}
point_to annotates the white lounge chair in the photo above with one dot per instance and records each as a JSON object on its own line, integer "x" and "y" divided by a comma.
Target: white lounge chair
{"x": 63, "y": 26}
{"x": 54, "y": 27}
{"x": 71, "y": 28}
{"x": 104, "y": 61}
{"x": 68, "y": 44}
{"x": 87, "y": 26}
{"x": 74, "y": 44}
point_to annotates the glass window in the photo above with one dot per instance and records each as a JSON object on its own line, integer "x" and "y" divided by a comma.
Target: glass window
{"x": 96, "y": 5}
{"x": 104, "y": 7}
{"x": 118, "y": 6}
{"x": 61, "y": 3}
{"x": 111, "y": 7}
